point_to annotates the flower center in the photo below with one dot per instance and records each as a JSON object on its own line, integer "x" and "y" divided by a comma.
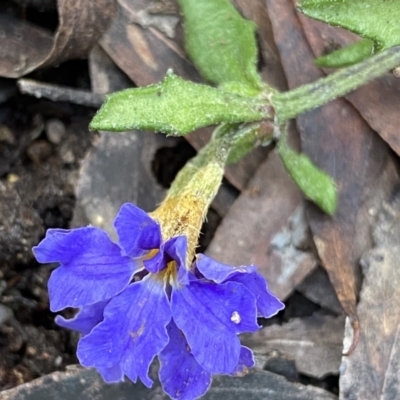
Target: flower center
{"x": 171, "y": 272}
{"x": 150, "y": 254}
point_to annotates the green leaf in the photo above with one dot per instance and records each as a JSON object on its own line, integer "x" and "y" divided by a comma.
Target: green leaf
{"x": 175, "y": 107}
{"x": 221, "y": 43}
{"x": 317, "y": 185}
{"x": 377, "y": 20}
{"x": 348, "y": 55}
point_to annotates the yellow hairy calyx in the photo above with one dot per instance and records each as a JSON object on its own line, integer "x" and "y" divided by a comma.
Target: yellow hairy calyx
{"x": 183, "y": 212}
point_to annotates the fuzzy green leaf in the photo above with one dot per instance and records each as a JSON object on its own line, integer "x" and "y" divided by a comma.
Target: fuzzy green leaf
{"x": 348, "y": 55}
{"x": 317, "y": 185}
{"x": 377, "y": 20}
{"x": 221, "y": 43}
{"x": 175, "y": 107}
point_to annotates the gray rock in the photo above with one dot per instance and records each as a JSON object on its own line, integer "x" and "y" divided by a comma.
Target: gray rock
{"x": 84, "y": 384}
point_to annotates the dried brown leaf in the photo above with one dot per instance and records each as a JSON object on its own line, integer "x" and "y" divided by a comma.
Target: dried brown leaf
{"x": 26, "y": 47}
{"x": 272, "y": 70}
{"x": 340, "y": 142}
{"x": 315, "y": 343}
{"x": 318, "y": 288}
{"x": 21, "y": 43}
{"x": 265, "y": 227}
{"x": 372, "y": 370}
{"x": 377, "y": 101}
{"x": 144, "y": 53}
{"x": 105, "y": 76}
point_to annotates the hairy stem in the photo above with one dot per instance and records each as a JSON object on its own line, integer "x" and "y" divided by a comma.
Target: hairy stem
{"x": 308, "y": 97}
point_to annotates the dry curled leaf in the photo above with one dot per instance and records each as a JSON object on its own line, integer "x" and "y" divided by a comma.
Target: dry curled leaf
{"x": 142, "y": 51}
{"x": 25, "y": 47}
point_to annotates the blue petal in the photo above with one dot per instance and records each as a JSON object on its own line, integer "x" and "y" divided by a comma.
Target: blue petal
{"x": 132, "y": 333}
{"x": 211, "y": 316}
{"x": 268, "y": 305}
{"x": 112, "y": 375}
{"x": 219, "y": 272}
{"x": 86, "y": 319}
{"x": 92, "y": 268}
{"x": 246, "y": 361}
{"x": 180, "y": 374}
{"x": 137, "y": 231}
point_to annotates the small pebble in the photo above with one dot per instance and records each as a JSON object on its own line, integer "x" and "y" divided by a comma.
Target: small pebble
{"x": 55, "y": 130}
{"x": 58, "y": 361}
{"x": 12, "y": 178}
{"x": 31, "y": 351}
{"x": 6, "y": 135}
{"x": 3, "y": 285}
{"x": 66, "y": 154}
{"x": 37, "y": 128}
{"x": 5, "y": 314}
{"x": 99, "y": 220}
{"x": 39, "y": 151}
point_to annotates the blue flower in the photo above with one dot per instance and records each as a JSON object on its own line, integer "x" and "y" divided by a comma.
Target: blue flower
{"x": 140, "y": 299}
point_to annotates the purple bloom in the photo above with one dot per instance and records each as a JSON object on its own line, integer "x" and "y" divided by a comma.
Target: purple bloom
{"x": 140, "y": 299}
